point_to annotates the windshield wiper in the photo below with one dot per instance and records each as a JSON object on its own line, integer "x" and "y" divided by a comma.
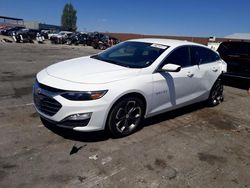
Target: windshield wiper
{"x": 110, "y": 61}
{"x": 95, "y": 56}
{"x": 101, "y": 59}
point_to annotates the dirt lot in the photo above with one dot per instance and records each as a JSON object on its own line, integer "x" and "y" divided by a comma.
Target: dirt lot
{"x": 196, "y": 146}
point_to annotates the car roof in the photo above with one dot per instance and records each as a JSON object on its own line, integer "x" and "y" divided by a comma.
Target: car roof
{"x": 167, "y": 42}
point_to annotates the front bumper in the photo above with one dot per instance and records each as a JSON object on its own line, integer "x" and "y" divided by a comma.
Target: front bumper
{"x": 65, "y": 108}
{"x": 69, "y": 124}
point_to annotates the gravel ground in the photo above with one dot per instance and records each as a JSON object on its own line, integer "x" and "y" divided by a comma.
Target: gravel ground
{"x": 195, "y": 146}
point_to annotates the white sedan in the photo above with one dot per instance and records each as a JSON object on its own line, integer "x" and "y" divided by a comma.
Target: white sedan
{"x": 119, "y": 87}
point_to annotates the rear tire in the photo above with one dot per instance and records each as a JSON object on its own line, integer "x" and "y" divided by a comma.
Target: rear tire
{"x": 216, "y": 94}
{"x": 126, "y": 116}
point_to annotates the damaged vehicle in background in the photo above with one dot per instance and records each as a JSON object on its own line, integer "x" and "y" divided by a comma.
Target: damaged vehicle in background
{"x": 237, "y": 56}
{"x": 27, "y": 35}
{"x": 104, "y": 42}
{"x": 119, "y": 87}
{"x": 77, "y": 38}
{"x": 9, "y": 31}
{"x": 61, "y": 37}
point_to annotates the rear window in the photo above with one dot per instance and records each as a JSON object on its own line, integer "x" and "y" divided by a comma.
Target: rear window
{"x": 201, "y": 55}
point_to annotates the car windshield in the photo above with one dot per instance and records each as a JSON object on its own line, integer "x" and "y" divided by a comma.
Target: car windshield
{"x": 132, "y": 54}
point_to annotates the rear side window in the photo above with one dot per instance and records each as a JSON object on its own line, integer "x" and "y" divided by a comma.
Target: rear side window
{"x": 201, "y": 55}
{"x": 179, "y": 56}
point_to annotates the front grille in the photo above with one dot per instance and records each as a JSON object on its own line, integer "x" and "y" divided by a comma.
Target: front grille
{"x": 46, "y": 104}
{"x": 48, "y": 88}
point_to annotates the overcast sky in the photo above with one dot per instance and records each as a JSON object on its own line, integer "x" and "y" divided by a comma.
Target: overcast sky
{"x": 175, "y": 17}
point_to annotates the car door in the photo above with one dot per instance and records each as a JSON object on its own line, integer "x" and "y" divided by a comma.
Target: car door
{"x": 208, "y": 63}
{"x": 174, "y": 89}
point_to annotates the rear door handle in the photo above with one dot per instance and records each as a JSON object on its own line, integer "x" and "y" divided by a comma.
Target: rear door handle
{"x": 189, "y": 74}
{"x": 214, "y": 69}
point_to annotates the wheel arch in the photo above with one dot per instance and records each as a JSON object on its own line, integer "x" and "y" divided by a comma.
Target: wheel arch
{"x": 132, "y": 94}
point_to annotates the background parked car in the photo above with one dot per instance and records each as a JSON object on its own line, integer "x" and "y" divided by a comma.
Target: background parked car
{"x": 51, "y": 33}
{"x": 237, "y": 57}
{"x": 8, "y": 32}
{"x": 104, "y": 41}
{"x": 45, "y": 34}
{"x": 25, "y": 35}
{"x": 61, "y": 37}
{"x": 32, "y": 33}
{"x": 77, "y": 38}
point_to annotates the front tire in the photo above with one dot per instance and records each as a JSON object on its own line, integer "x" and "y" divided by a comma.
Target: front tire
{"x": 216, "y": 94}
{"x": 125, "y": 116}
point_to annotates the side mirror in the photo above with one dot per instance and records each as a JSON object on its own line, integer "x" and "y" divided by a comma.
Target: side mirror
{"x": 171, "y": 68}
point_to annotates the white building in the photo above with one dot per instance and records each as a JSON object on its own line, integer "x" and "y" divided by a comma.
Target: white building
{"x": 240, "y": 36}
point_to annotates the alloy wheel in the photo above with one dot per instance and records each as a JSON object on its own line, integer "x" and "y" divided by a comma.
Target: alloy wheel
{"x": 128, "y": 116}
{"x": 217, "y": 93}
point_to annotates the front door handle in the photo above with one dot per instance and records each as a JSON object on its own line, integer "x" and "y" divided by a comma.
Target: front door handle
{"x": 189, "y": 74}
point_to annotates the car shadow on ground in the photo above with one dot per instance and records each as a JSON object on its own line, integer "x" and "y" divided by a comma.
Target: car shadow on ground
{"x": 173, "y": 114}
{"x": 105, "y": 135}
{"x": 96, "y": 136}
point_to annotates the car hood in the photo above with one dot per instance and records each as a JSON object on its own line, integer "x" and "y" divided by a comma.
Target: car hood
{"x": 87, "y": 70}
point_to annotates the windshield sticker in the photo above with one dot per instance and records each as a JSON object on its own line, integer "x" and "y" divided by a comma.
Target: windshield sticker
{"x": 159, "y": 46}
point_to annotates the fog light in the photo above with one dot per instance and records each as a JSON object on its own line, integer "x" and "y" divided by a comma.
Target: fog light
{"x": 83, "y": 116}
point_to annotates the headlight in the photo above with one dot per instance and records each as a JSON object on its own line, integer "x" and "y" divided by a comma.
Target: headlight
{"x": 84, "y": 95}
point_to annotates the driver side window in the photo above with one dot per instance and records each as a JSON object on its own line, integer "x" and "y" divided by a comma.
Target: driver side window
{"x": 179, "y": 56}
